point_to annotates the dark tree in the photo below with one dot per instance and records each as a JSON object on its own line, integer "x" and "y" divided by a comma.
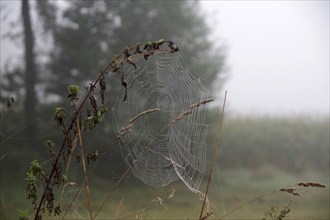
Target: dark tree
{"x": 30, "y": 101}
{"x": 92, "y": 32}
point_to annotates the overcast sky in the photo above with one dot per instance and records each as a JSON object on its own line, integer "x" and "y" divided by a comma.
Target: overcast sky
{"x": 278, "y": 54}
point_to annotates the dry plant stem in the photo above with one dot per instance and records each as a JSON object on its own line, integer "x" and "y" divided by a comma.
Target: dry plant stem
{"x": 206, "y": 216}
{"x": 111, "y": 192}
{"x": 247, "y": 203}
{"x": 74, "y": 145}
{"x": 68, "y": 166}
{"x": 67, "y": 132}
{"x": 119, "y": 206}
{"x": 175, "y": 120}
{"x": 145, "y": 209}
{"x": 112, "y": 142}
{"x": 122, "y": 177}
{"x": 214, "y": 156}
{"x": 141, "y": 114}
{"x": 302, "y": 184}
{"x": 85, "y": 172}
{"x": 83, "y": 183}
{"x": 109, "y": 195}
{"x": 118, "y": 60}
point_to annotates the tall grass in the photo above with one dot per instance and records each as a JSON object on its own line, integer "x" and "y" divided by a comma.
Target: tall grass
{"x": 257, "y": 155}
{"x": 293, "y": 144}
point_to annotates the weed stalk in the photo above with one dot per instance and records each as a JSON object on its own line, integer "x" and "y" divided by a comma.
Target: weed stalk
{"x": 213, "y": 158}
{"x": 127, "y": 56}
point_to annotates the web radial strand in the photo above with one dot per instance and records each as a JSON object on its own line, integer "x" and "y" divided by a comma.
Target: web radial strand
{"x": 178, "y": 152}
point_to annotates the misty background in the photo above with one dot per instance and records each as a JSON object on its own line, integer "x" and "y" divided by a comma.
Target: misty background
{"x": 271, "y": 57}
{"x": 268, "y": 44}
{"x": 275, "y": 44}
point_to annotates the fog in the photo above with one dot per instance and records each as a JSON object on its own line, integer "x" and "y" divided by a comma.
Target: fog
{"x": 278, "y": 55}
{"x": 142, "y": 125}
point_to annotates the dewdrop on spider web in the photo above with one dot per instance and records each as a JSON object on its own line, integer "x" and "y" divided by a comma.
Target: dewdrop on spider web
{"x": 170, "y": 143}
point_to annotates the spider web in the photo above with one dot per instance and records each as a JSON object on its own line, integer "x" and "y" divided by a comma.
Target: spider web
{"x": 154, "y": 155}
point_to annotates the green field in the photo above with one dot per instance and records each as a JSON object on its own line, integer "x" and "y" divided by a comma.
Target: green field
{"x": 257, "y": 156}
{"x": 134, "y": 200}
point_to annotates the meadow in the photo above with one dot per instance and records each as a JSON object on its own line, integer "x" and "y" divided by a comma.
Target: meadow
{"x": 258, "y": 155}
{"x": 135, "y": 200}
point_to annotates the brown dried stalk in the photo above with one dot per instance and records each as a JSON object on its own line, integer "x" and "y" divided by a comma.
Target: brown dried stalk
{"x": 142, "y": 113}
{"x": 188, "y": 111}
{"x": 311, "y": 184}
{"x": 203, "y": 102}
{"x": 287, "y": 189}
{"x": 111, "y": 192}
{"x": 84, "y": 171}
{"x": 123, "y": 131}
{"x": 292, "y": 191}
{"x": 209, "y": 214}
{"x": 128, "y": 128}
{"x": 214, "y": 153}
{"x": 67, "y": 133}
{"x": 119, "y": 206}
{"x": 160, "y": 199}
{"x": 180, "y": 116}
{"x": 128, "y": 56}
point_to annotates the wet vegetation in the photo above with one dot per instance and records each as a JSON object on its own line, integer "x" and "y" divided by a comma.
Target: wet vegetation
{"x": 266, "y": 167}
{"x": 257, "y": 155}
